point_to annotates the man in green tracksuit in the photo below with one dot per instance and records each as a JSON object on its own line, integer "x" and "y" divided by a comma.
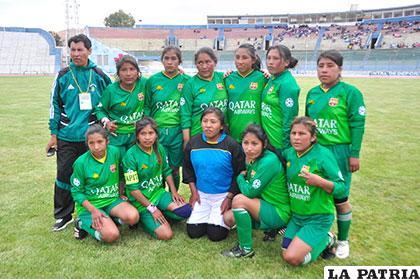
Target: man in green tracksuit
{"x": 76, "y": 91}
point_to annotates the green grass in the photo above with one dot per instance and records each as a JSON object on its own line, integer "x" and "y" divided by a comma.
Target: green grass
{"x": 385, "y": 198}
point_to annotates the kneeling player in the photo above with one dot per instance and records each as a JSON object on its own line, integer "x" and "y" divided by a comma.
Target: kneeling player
{"x": 95, "y": 190}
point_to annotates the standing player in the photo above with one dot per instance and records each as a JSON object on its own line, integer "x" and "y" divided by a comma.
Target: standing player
{"x": 244, "y": 88}
{"x": 313, "y": 177}
{"x": 280, "y": 97}
{"x": 76, "y": 91}
{"x": 163, "y": 94}
{"x": 146, "y": 169}
{"x": 94, "y": 189}
{"x": 205, "y": 89}
{"x": 122, "y": 104}
{"x": 264, "y": 200}
{"x": 339, "y": 112}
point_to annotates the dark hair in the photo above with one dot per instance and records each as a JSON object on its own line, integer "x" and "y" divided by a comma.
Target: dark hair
{"x": 80, "y": 38}
{"x": 285, "y": 54}
{"x": 141, "y": 124}
{"x": 127, "y": 59}
{"x": 333, "y": 55}
{"x": 253, "y": 53}
{"x": 205, "y": 50}
{"x": 308, "y": 122}
{"x": 174, "y": 49}
{"x": 259, "y": 132}
{"x": 96, "y": 128}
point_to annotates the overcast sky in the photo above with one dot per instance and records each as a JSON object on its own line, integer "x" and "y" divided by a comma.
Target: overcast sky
{"x": 49, "y": 14}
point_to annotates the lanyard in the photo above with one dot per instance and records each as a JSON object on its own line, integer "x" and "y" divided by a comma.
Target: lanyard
{"x": 77, "y": 84}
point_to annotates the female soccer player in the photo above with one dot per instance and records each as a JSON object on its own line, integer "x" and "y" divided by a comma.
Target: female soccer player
{"x": 162, "y": 103}
{"x": 95, "y": 189}
{"x": 280, "y": 97}
{"x": 211, "y": 164}
{"x": 205, "y": 89}
{"x": 264, "y": 200}
{"x": 339, "y": 112}
{"x": 122, "y": 103}
{"x": 313, "y": 177}
{"x": 244, "y": 88}
{"x": 145, "y": 170}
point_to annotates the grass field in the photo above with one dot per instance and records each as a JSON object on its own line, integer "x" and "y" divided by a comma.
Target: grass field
{"x": 385, "y": 198}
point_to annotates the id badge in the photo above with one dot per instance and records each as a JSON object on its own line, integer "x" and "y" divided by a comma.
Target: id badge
{"x": 85, "y": 102}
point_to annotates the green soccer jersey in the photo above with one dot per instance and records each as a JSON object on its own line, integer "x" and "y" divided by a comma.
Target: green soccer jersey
{"x": 266, "y": 179}
{"x": 280, "y": 105}
{"x": 306, "y": 199}
{"x": 143, "y": 172}
{"x": 199, "y": 94}
{"x": 339, "y": 114}
{"x": 163, "y": 96}
{"x": 95, "y": 181}
{"x": 244, "y": 101}
{"x": 123, "y": 106}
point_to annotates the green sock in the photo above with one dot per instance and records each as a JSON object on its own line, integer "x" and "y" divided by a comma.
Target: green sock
{"x": 177, "y": 181}
{"x": 343, "y": 224}
{"x": 316, "y": 251}
{"x": 244, "y": 228}
{"x": 172, "y": 215}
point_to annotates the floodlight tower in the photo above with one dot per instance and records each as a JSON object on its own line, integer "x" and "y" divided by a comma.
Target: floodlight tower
{"x": 72, "y": 24}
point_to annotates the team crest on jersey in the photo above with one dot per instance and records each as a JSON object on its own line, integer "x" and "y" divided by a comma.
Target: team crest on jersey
{"x": 140, "y": 96}
{"x": 92, "y": 88}
{"x": 220, "y": 86}
{"x": 253, "y": 86}
{"x": 362, "y": 110}
{"x": 202, "y": 90}
{"x": 270, "y": 90}
{"x": 253, "y": 172}
{"x": 231, "y": 86}
{"x": 113, "y": 168}
{"x": 123, "y": 104}
{"x": 333, "y": 102}
{"x": 144, "y": 166}
{"x": 304, "y": 168}
{"x": 180, "y": 86}
{"x": 95, "y": 175}
{"x": 159, "y": 87}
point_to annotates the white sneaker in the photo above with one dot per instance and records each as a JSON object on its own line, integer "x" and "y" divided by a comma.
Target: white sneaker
{"x": 343, "y": 249}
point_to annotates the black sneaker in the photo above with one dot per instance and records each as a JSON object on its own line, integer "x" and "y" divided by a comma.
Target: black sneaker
{"x": 270, "y": 235}
{"x": 79, "y": 233}
{"x": 329, "y": 251}
{"x": 238, "y": 252}
{"x": 61, "y": 224}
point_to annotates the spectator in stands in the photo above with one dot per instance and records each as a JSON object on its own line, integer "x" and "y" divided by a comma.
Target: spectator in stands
{"x": 76, "y": 91}
{"x": 163, "y": 95}
{"x": 212, "y": 182}
{"x": 339, "y": 111}
{"x": 244, "y": 87}
{"x": 205, "y": 89}
{"x": 122, "y": 103}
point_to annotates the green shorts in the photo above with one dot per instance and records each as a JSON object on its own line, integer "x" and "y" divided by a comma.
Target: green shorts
{"x": 146, "y": 217}
{"x": 312, "y": 229}
{"x": 86, "y": 218}
{"x": 342, "y": 154}
{"x": 123, "y": 142}
{"x": 171, "y": 140}
{"x": 269, "y": 217}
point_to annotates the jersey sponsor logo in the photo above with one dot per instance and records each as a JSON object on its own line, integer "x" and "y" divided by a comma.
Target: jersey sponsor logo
{"x": 202, "y": 90}
{"x": 107, "y": 191}
{"x": 95, "y": 175}
{"x": 76, "y": 182}
{"x": 289, "y": 102}
{"x": 182, "y": 101}
{"x": 131, "y": 177}
{"x": 270, "y": 90}
{"x": 333, "y": 102}
{"x": 159, "y": 87}
{"x": 326, "y": 126}
{"x": 140, "y": 96}
{"x": 92, "y": 88}
{"x": 266, "y": 110}
{"x": 168, "y": 106}
{"x": 128, "y": 119}
{"x": 253, "y": 86}
{"x": 220, "y": 104}
{"x": 113, "y": 168}
{"x": 243, "y": 107}
{"x": 300, "y": 192}
{"x": 180, "y": 86}
{"x": 152, "y": 183}
{"x": 362, "y": 110}
{"x": 256, "y": 184}
{"x": 220, "y": 86}
{"x": 71, "y": 87}
{"x": 231, "y": 86}
{"x": 123, "y": 104}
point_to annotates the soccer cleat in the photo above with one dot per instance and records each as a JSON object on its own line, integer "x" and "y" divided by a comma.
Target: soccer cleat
{"x": 61, "y": 224}
{"x": 343, "y": 249}
{"x": 238, "y": 252}
{"x": 282, "y": 230}
{"x": 270, "y": 235}
{"x": 329, "y": 251}
{"x": 79, "y": 233}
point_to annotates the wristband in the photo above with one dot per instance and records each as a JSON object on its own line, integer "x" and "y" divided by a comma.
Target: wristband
{"x": 152, "y": 208}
